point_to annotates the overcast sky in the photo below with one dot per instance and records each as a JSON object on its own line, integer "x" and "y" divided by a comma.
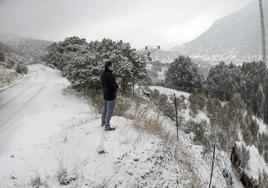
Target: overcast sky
{"x": 167, "y": 23}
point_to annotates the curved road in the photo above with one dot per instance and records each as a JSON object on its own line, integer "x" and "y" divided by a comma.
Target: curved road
{"x": 14, "y": 100}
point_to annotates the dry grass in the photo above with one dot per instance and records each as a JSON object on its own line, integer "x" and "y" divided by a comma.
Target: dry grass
{"x": 69, "y": 91}
{"x": 145, "y": 123}
{"x": 37, "y": 182}
{"x": 65, "y": 177}
{"x": 122, "y": 106}
{"x": 104, "y": 184}
{"x": 77, "y": 122}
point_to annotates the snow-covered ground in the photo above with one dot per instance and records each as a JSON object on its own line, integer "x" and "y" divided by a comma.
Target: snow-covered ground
{"x": 35, "y": 108}
{"x": 56, "y": 136}
{"x": 50, "y": 134}
{"x": 30, "y": 113}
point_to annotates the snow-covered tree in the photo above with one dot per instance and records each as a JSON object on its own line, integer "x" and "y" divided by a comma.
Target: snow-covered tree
{"x": 252, "y": 86}
{"x": 82, "y": 62}
{"x": 223, "y": 81}
{"x": 183, "y": 75}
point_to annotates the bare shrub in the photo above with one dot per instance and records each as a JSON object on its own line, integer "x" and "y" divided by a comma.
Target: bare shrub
{"x": 65, "y": 177}
{"x": 21, "y": 69}
{"x": 37, "y": 182}
{"x": 104, "y": 184}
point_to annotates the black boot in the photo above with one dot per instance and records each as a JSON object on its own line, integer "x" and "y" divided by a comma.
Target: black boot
{"x": 109, "y": 129}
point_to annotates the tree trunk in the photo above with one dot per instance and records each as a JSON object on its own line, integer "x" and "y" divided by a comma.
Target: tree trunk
{"x": 264, "y": 56}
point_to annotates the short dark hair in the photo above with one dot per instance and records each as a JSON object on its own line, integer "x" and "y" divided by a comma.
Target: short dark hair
{"x": 107, "y": 65}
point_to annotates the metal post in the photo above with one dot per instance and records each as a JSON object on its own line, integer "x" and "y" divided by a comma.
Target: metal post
{"x": 176, "y": 113}
{"x": 264, "y": 52}
{"x": 212, "y": 168}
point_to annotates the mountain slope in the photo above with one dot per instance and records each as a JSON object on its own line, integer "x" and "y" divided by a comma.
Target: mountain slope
{"x": 236, "y": 37}
{"x": 32, "y": 49}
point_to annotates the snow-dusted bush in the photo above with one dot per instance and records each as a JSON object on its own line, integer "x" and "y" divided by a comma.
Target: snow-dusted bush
{"x": 183, "y": 75}
{"x": 247, "y": 136}
{"x": 82, "y": 62}
{"x": 200, "y": 136}
{"x": 7, "y": 77}
{"x": 224, "y": 81}
{"x": 197, "y": 101}
{"x": 164, "y": 104}
{"x": 252, "y": 88}
{"x": 10, "y": 64}
{"x": 2, "y": 57}
{"x": 262, "y": 145}
{"x": 21, "y": 69}
{"x": 64, "y": 177}
{"x": 226, "y": 119}
{"x": 37, "y": 182}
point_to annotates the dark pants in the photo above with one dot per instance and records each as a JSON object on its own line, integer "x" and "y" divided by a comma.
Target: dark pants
{"x": 107, "y": 112}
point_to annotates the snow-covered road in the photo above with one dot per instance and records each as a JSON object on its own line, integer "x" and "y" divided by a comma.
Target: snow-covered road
{"x": 34, "y": 108}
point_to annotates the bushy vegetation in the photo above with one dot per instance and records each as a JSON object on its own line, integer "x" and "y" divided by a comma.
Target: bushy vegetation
{"x": 224, "y": 81}
{"x": 36, "y": 182}
{"x": 163, "y": 103}
{"x": 183, "y": 75}
{"x": 21, "y": 69}
{"x": 197, "y": 101}
{"x": 82, "y": 62}
{"x": 226, "y": 118}
{"x": 200, "y": 136}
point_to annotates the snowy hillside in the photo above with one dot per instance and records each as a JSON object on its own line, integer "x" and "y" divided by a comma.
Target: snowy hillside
{"x": 236, "y": 38}
{"x": 73, "y": 149}
{"x": 10, "y": 66}
{"x": 32, "y": 49}
{"x": 68, "y": 147}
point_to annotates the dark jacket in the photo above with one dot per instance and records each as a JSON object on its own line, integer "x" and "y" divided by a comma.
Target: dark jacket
{"x": 109, "y": 85}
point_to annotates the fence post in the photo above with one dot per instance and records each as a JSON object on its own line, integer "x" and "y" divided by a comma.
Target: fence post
{"x": 176, "y": 113}
{"x": 212, "y": 168}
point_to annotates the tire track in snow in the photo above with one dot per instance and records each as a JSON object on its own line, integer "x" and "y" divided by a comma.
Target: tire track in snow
{"x": 20, "y": 93}
{"x": 9, "y": 118}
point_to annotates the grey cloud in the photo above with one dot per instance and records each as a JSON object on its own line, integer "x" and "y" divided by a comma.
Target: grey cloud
{"x": 141, "y": 22}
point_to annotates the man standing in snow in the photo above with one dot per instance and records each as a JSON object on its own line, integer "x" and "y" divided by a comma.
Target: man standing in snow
{"x": 110, "y": 88}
